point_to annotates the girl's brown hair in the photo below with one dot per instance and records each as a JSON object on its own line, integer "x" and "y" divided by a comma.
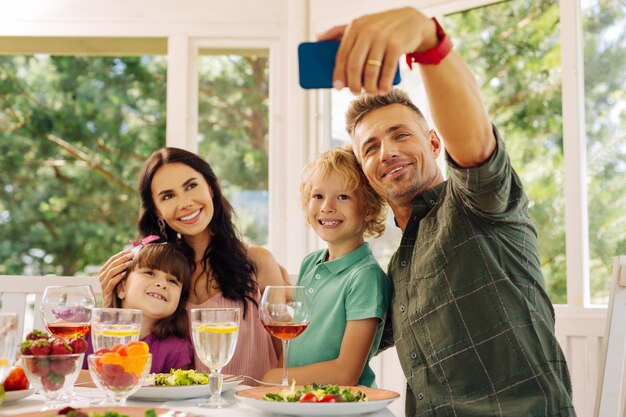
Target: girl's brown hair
{"x": 167, "y": 258}
{"x": 342, "y": 161}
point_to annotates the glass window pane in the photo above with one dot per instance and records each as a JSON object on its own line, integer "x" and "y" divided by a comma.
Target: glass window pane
{"x": 233, "y": 134}
{"x": 605, "y": 116}
{"x": 74, "y": 132}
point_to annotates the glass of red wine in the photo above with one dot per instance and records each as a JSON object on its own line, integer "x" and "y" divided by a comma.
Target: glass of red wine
{"x": 66, "y": 310}
{"x": 285, "y": 312}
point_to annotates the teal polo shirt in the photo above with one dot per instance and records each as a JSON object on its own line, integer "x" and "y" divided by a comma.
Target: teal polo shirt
{"x": 352, "y": 287}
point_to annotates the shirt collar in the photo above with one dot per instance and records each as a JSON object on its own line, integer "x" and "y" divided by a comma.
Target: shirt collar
{"x": 424, "y": 202}
{"x": 336, "y": 266}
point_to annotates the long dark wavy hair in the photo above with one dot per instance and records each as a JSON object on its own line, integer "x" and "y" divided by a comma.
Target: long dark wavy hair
{"x": 226, "y": 255}
{"x": 168, "y": 258}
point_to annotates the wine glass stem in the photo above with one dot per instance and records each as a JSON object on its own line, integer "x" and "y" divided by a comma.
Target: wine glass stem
{"x": 285, "y": 361}
{"x": 215, "y": 384}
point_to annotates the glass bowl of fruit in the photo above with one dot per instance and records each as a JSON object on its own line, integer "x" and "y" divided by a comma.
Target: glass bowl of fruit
{"x": 121, "y": 370}
{"x": 52, "y": 365}
{"x": 53, "y": 376}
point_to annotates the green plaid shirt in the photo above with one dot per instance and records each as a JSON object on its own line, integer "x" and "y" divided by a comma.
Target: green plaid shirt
{"x": 471, "y": 320}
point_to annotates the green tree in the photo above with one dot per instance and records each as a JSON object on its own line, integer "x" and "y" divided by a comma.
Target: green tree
{"x": 233, "y": 129}
{"x": 74, "y": 132}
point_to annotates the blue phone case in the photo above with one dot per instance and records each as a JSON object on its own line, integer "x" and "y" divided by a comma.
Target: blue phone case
{"x": 316, "y": 62}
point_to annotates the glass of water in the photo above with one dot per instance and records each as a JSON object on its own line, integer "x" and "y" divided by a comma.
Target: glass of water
{"x": 215, "y": 332}
{"x": 112, "y": 326}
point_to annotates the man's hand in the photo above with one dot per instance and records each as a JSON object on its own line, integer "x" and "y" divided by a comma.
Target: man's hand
{"x": 372, "y": 45}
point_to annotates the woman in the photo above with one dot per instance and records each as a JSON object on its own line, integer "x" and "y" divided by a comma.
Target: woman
{"x": 181, "y": 201}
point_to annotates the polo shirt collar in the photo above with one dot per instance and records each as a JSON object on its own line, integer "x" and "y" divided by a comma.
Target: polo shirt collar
{"x": 337, "y": 266}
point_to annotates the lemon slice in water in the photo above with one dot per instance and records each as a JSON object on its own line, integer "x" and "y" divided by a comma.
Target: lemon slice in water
{"x": 117, "y": 333}
{"x": 218, "y": 329}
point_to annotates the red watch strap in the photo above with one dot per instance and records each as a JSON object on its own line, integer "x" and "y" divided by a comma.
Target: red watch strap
{"x": 434, "y": 55}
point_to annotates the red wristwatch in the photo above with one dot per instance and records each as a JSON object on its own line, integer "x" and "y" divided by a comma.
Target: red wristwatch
{"x": 434, "y": 55}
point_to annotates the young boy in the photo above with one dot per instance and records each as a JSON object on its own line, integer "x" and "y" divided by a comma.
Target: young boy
{"x": 349, "y": 291}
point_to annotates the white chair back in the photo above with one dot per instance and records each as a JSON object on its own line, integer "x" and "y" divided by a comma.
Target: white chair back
{"x": 611, "y": 393}
{"x": 22, "y": 294}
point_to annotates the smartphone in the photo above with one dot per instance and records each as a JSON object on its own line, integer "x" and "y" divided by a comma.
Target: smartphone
{"x": 316, "y": 61}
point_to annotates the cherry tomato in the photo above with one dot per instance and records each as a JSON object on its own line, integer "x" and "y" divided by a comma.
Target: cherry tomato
{"x": 308, "y": 397}
{"x": 327, "y": 398}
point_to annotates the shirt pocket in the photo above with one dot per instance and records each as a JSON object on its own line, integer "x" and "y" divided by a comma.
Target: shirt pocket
{"x": 429, "y": 253}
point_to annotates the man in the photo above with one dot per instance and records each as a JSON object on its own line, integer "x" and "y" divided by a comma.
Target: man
{"x": 472, "y": 323}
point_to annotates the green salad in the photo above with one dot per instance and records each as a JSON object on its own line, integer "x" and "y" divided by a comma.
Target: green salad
{"x": 317, "y": 393}
{"x": 177, "y": 377}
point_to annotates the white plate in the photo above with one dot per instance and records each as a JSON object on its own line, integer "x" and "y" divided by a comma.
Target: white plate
{"x": 10, "y": 396}
{"x": 377, "y": 400}
{"x": 181, "y": 392}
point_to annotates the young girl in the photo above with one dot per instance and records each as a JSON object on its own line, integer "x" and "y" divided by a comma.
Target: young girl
{"x": 157, "y": 283}
{"x": 349, "y": 291}
{"x": 183, "y": 203}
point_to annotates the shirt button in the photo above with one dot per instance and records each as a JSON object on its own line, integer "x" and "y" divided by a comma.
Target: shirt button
{"x": 431, "y": 202}
{"x": 420, "y": 396}
{"x": 403, "y": 263}
{"x": 311, "y": 290}
{"x": 402, "y": 309}
{"x": 318, "y": 276}
{"x": 413, "y": 355}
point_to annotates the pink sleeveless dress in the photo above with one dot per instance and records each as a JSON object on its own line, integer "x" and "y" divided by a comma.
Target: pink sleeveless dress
{"x": 254, "y": 354}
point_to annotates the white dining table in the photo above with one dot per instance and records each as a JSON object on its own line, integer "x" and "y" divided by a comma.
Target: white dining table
{"x": 36, "y": 402}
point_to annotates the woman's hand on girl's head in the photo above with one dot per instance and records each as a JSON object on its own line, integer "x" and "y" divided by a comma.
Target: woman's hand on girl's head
{"x": 111, "y": 274}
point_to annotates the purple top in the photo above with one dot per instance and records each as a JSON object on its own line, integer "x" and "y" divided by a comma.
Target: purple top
{"x": 171, "y": 352}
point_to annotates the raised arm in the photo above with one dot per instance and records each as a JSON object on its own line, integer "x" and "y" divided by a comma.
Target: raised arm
{"x": 453, "y": 93}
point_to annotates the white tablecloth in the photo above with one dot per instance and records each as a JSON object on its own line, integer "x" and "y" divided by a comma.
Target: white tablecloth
{"x": 36, "y": 402}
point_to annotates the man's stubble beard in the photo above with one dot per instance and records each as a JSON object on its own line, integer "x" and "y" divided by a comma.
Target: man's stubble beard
{"x": 403, "y": 191}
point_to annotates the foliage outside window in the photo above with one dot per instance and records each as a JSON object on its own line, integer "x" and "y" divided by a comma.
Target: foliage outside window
{"x": 605, "y": 110}
{"x": 233, "y": 134}
{"x": 74, "y": 132}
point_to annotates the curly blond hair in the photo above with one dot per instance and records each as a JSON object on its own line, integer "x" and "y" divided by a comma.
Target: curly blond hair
{"x": 343, "y": 161}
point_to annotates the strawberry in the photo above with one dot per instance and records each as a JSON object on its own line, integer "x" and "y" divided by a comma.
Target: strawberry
{"x": 25, "y": 347}
{"x": 124, "y": 380}
{"x": 78, "y": 345}
{"x": 62, "y": 366}
{"x": 36, "y": 334}
{"x": 40, "y": 347}
{"x": 16, "y": 380}
{"x": 102, "y": 351}
{"x": 40, "y": 367}
{"x": 60, "y": 347}
{"x": 52, "y": 382}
